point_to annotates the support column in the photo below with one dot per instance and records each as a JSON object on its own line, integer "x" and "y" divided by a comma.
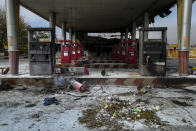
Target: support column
{"x": 52, "y": 20}
{"x": 74, "y": 36}
{"x": 126, "y": 39}
{"x": 133, "y": 31}
{"x": 146, "y": 25}
{"x": 52, "y": 24}
{"x": 70, "y": 34}
{"x": 121, "y": 36}
{"x": 12, "y": 18}
{"x": 64, "y": 32}
{"x": 184, "y": 30}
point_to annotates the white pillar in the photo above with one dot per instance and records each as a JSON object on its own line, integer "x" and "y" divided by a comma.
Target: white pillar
{"x": 12, "y": 18}
{"x": 184, "y": 33}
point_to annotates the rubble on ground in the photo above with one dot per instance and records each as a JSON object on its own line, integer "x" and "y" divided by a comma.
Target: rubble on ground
{"x": 113, "y": 110}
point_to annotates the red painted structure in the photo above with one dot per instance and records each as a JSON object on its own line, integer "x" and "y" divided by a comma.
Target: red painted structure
{"x": 73, "y": 53}
{"x": 80, "y": 49}
{"x": 131, "y": 56}
{"x": 65, "y": 53}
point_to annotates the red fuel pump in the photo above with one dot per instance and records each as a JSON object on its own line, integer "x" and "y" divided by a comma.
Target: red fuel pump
{"x": 131, "y": 56}
{"x": 65, "y": 54}
{"x": 73, "y": 53}
{"x": 79, "y": 50}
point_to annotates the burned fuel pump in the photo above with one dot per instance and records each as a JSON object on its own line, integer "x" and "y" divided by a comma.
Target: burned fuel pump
{"x": 41, "y": 51}
{"x": 152, "y": 52}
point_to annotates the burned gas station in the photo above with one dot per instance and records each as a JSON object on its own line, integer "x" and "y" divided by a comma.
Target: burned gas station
{"x": 134, "y": 76}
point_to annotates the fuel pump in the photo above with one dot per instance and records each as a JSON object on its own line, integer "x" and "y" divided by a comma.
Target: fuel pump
{"x": 79, "y": 50}
{"x": 131, "y": 56}
{"x": 73, "y": 53}
{"x": 65, "y": 52}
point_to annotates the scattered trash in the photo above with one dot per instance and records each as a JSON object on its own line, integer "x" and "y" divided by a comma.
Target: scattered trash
{"x": 79, "y": 86}
{"x": 182, "y": 102}
{"x": 49, "y": 101}
{"x": 128, "y": 119}
{"x": 184, "y": 120}
{"x": 30, "y": 105}
{"x": 31, "y": 126}
{"x": 86, "y": 70}
{"x": 76, "y": 95}
{"x": 157, "y": 108}
{"x": 114, "y": 109}
{"x": 62, "y": 81}
{"x": 136, "y": 110}
{"x": 141, "y": 90}
{"x": 4, "y": 124}
{"x": 115, "y": 115}
{"x": 4, "y": 70}
{"x": 103, "y": 72}
{"x": 35, "y": 116}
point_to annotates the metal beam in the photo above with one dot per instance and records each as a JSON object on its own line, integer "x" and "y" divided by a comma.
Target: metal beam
{"x": 12, "y": 18}
{"x": 184, "y": 31}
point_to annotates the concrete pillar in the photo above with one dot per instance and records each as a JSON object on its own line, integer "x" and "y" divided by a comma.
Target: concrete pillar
{"x": 184, "y": 18}
{"x": 74, "y": 36}
{"x": 126, "y": 39}
{"x": 52, "y": 24}
{"x": 121, "y": 37}
{"x": 70, "y": 34}
{"x": 12, "y": 18}
{"x": 133, "y": 31}
{"x": 52, "y": 20}
{"x": 126, "y": 34}
{"x": 64, "y": 32}
{"x": 146, "y": 25}
{"x": 141, "y": 48}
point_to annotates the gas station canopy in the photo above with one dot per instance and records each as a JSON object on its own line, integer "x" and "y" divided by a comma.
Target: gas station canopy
{"x": 99, "y": 15}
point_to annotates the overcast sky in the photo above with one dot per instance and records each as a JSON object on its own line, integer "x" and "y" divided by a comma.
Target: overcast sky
{"x": 170, "y": 22}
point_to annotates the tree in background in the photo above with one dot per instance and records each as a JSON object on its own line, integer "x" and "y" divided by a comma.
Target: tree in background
{"x": 22, "y": 32}
{"x": 3, "y": 30}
